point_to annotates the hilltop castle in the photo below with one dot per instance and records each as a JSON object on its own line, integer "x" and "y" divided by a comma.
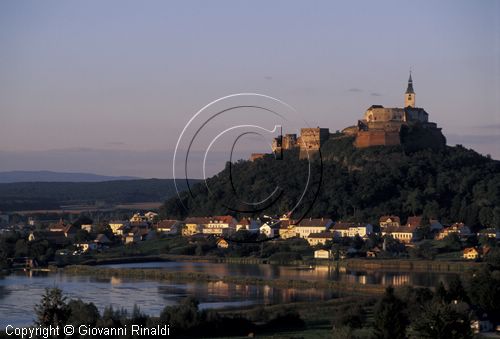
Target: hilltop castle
{"x": 380, "y": 126}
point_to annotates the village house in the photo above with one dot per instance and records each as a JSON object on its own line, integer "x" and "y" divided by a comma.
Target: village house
{"x": 457, "y": 228}
{"x": 167, "y": 226}
{"x": 374, "y": 252}
{"x": 86, "y": 246}
{"x": 320, "y": 238}
{"x": 270, "y": 228}
{"x": 471, "y": 253}
{"x": 323, "y": 254}
{"x": 55, "y": 238}
{"x": 220, "y": 225}
{"x": 414, "y": 222}
{"x": 491, "y": 233}
{"x": 286, "y": 229}
{"x": 151, "y": 216}
{"x": 118, "y": 227}
{"x": 247, "y": 224}
{"x": 194, "y": 225}
{"x": 307, "y": 226}
{"x": 66, "y": 229}
{"x": 389, "y": 221}
{"x": 137, "y": 217}
{"x": 86, "y": 227}
{"x": 343, "y": 229}
{"x": 222, "y": 243}
{"x": 131, "y": 238}
{"x": 405, "y": 234}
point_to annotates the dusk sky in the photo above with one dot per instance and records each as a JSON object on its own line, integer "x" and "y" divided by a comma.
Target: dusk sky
{"x": 107, "y": 86}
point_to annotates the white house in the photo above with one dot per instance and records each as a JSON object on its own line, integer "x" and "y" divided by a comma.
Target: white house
{"x": 323, "y": 254}
{"x": 270, "y": 229}
{"x": 308, "y": 226}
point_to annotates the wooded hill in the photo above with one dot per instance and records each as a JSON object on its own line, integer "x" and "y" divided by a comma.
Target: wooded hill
{"x": 52, "y": 195}
{"x": 418, "y": 177}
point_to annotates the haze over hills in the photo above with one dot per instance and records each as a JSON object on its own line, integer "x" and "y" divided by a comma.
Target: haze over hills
{"x": 21, "y": 196}
{"x": 50, "y": 176}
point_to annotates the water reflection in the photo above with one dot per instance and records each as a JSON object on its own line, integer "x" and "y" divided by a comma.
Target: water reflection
{"x": 20, "y": 292}
{"x": 324, "y": 272}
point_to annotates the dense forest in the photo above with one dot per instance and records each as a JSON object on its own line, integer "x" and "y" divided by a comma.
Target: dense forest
{"x": 345, "y": 183}
{"x": 52, "y": 195}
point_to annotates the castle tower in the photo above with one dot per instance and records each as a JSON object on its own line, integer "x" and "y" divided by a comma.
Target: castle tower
{"x": 410, "y": 94}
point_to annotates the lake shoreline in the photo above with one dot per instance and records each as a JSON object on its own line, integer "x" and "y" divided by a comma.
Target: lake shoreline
{"x": 413, "y": 265}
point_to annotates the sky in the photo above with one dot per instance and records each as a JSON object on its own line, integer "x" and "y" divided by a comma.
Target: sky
{"x": 108, "y": 86}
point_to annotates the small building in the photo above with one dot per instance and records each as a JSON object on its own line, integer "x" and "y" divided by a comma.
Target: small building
{"x": 287, "y": 229}
{"x": 131, "y": 238}
{"x": 373, "y": 253}
{"x": 220, "y": 225}
{"x": 86, "y": 227}
{"x": 86, "y": 246}
{"x": 247, "y": 224}
{"x": 54, "y": 238}
{"x": 320, "y": 238}
{"x": 151, "y": 216}
{"x": 138, "y": 217}
{"x": 61, "y": 227}
{"x": 307, "y": 226}
{"x": 405, "y": 234}
{"x": 491, "y": 233}
{"x": 270, "y": 229}
{"x": 471, "y": 253}
{"x": 167, "y": 226}
{"x": 457, "y": 228}
{"x": 118, "y": 227}
{"x": 343, "y": 229}
{"x": 222, "y": 243}
{"x": 389, "y": 221}
{"x": 323, "y": 254}
{"x": 194, "y": 225}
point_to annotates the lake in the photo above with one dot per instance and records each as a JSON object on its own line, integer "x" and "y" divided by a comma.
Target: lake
{"x": 20, "y": 291}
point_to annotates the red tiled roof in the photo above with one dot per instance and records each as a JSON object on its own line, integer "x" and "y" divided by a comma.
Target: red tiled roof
{"x": 343, "y": 225}
{"x": 414, "y": 221}
{"x": 166, "y": 223}
{"x": 314, "y": 222}
{"x": 394, "y": 218}
{"x": 226, "y": 219}
{"x": 197, "y": 220}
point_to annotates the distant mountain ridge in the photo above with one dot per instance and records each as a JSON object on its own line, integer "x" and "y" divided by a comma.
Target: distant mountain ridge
{"x": 50, "y": 176}
{"x": 21, "y": 196}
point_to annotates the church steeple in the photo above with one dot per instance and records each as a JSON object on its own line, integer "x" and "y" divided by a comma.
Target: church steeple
{"x": 410, "y": 94}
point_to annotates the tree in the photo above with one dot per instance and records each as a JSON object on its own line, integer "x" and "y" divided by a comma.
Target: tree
{"x": 440, "y": 321}
{"x": 390, "y": 319}
{"x": 82, "y": 313}
{"x": 52, "y": 310}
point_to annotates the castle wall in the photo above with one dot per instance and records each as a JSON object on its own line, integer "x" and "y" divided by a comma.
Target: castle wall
{"x": 311, "y": 139}
{"x": 377, "y": 138}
